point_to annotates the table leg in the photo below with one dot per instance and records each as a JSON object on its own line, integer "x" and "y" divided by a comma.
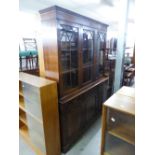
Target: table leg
{"x": 103, "y": 130}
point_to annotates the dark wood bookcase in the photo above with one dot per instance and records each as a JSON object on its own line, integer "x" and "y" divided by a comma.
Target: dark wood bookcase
{"x": 74, "y": 54}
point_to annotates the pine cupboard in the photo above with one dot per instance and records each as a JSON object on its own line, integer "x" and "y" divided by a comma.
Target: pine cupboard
{"x": 74, "y": 53}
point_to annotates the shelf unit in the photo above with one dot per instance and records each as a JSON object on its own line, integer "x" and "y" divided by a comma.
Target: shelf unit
{"x": 38, "y": 114}
{"x": 118, "y": 117}
{"x": 119, "y": 133}
{"x": 22, "y": 117}
{"x": 115, "y": 146}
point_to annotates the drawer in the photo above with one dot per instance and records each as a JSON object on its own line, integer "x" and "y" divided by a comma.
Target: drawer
{"x": 31, "y": 93}
{"x": 33, "y": 108}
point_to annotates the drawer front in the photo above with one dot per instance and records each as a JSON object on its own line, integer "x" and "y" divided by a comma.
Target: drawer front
{"x": 31, "y": 93}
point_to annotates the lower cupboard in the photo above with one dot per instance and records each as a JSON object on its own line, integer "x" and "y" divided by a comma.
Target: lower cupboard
{"x": 78, "y": 113}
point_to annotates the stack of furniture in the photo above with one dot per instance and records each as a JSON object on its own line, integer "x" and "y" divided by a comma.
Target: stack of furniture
{"x": 129, "y": 71}
{"x": 129, "y": 75}
{"x": 74, "y": 54}
{"x": 110, "y": 71}
{"x": 38, "y": 114}
{"x": 118, "y": 121}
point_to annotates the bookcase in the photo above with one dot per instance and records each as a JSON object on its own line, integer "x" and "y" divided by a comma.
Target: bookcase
{"x": 74, "y": 53}
{"x": 118, "y": 121}
{"x": 38, "y": 114}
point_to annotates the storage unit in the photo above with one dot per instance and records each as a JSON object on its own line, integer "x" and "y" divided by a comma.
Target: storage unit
{"x": 119, "y": 117}
{"x": 38, "y": 114}
{"x": 74, "y": 53}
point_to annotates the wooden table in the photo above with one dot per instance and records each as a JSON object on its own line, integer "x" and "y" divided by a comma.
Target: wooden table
{"x": 118, "y": 117}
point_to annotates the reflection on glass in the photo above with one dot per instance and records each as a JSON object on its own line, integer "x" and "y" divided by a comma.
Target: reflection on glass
{"x": 69, "y": 47}
{"x": 68, "y": 39}
{"x": 86, "y": 74}
{"x": 100, "y": 53}
{"x": 87, "y": 46}
{"x": 70, "y": 79}
{"x": 87, "y": 54}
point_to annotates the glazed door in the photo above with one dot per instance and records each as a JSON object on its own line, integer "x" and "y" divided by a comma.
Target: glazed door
{"x": 101, "y": 42}
{"x": 87, "y": 55}
{"x": 68, "y": 55}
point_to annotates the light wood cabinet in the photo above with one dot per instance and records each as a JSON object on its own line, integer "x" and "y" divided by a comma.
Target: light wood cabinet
{"x": 38, "y": 114}
{"x": 118, "y": 120}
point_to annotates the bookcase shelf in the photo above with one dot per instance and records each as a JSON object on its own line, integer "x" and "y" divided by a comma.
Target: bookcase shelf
{"x": 33, "y": 116}
{"x": 119, "y": 132}
{"x": 23, "y": 130}
{"x": 20, "y": 89}
{"x": 21, "y": 103}
{"x": 22, "y": 107}
{"x": 21, "y": 94}
{"x": 22, "y": 116}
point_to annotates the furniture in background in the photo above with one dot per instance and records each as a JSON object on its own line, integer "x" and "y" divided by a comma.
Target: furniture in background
{"x": 28, "y": 58}
{"x": 118, "y": 121}
{"x": 30, "y": 44}
{"x": 74, "y": 54}
{"x": 129, "y": 67}
{"x": 31, "y": 60}
{"x": 38, "y": 114}
{"x": 128, "y": 75}
{"x": 110, "y": 69}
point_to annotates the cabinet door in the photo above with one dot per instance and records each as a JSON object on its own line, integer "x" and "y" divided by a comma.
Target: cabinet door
{"x": 101, "y": 39}
{"x": 68, "y": 52}
{"x": 87, "y": 55}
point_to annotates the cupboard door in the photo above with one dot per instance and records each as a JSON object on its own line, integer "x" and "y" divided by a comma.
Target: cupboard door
{"x": 87, "y": 55}
{"x": 68, "y": 50}
{"x": 91, "y": 105}
{"x": 100, "y": 54}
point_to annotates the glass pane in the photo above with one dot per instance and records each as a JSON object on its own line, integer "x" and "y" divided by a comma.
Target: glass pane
{"x": 88, "y": 46}
{"x": 87, "y": 74}
{"x": 100, "y": 53}
{"x": 68, "y": 40}
{"x": 87, "y": 54}
{"x": 69, "y": 47}
{"x": 70, "y": 79}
